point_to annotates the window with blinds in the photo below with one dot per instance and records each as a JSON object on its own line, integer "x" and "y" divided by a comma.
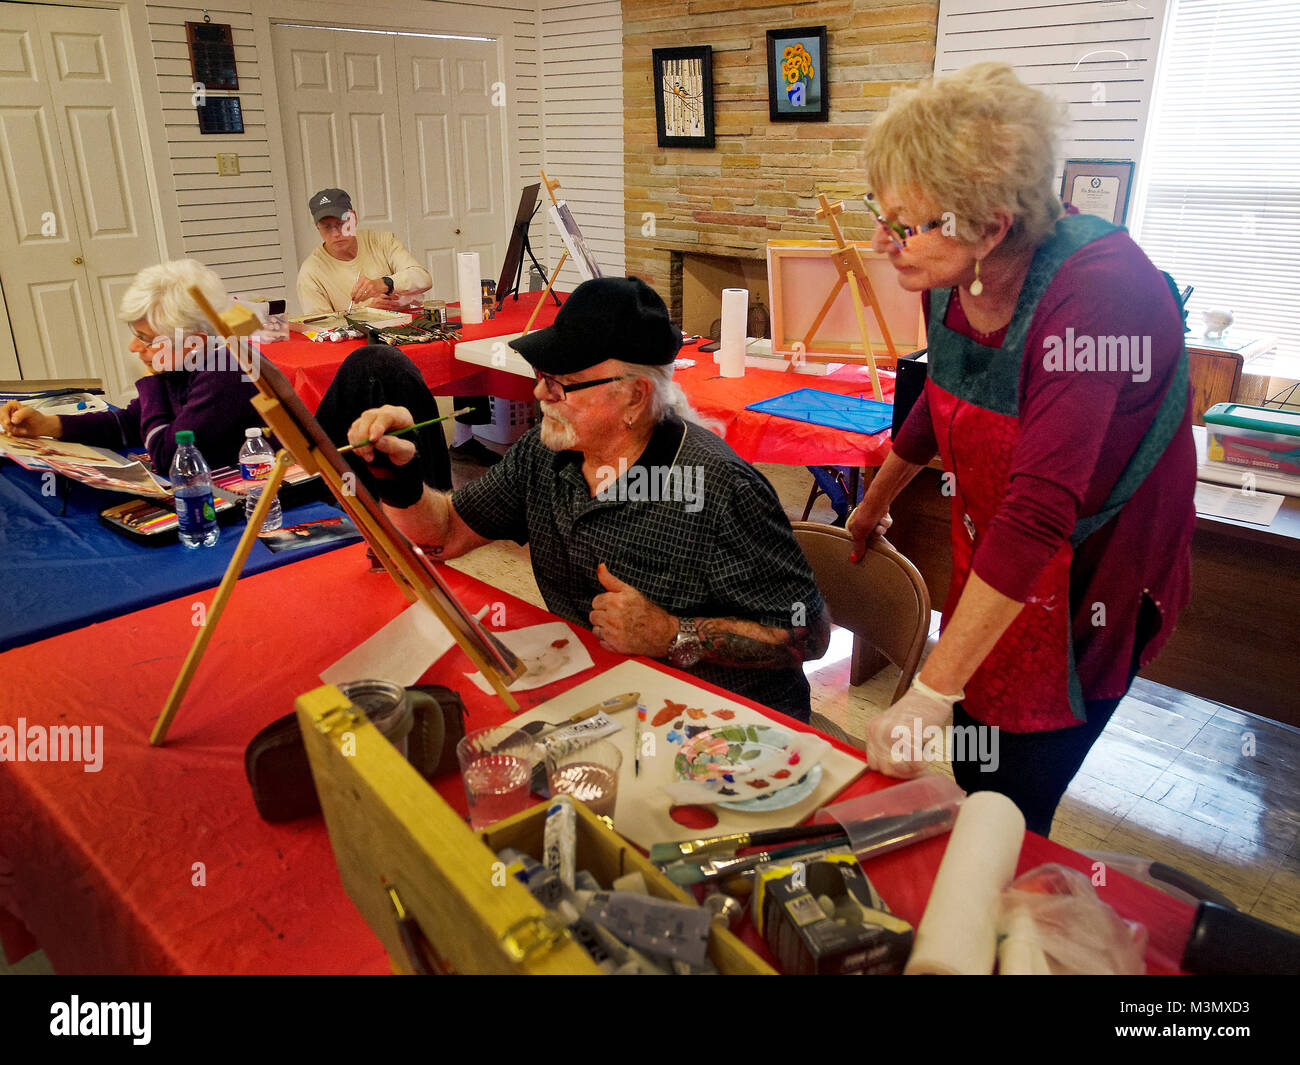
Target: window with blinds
{"x": 1096, "y": 56}
{"x": 1219, "y": 198}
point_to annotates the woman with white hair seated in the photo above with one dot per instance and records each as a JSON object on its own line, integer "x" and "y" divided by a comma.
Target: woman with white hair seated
{"x": 1057, "y": 398}
{"x": 190, "y": 381}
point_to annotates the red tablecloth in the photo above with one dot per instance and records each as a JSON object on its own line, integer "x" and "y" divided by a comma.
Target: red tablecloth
{"x": 758, "y": 437}
{"x": 310, "y": 366}
{"x": 107, "y": 872}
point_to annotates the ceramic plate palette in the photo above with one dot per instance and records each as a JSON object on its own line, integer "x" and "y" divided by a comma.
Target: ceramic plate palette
{"x": 740, "y": 762}
{"x": 678, "y": 712}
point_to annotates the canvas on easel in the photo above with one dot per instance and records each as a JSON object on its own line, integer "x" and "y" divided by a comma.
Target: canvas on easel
{"x": 800, "y": 274}
{"x": 302, "y": 438}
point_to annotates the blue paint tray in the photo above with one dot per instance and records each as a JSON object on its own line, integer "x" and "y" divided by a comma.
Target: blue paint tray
{"x": 831, "y": 409}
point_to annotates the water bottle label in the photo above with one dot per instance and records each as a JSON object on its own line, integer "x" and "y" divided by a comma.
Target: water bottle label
{"x": 195, "y": 516}
{"x": 255, "y": 471}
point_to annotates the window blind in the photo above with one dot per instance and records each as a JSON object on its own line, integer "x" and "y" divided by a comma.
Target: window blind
{"x": 1219, "y": 203}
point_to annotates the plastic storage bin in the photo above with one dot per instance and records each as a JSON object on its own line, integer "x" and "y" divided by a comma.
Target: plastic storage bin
{"x": 510, "y": 420}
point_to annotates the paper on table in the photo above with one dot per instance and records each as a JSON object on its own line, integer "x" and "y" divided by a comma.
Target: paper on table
{"x": 1258, "y": 508}
{"x": 550, "y": 651}
{"x": 400, "y": 652}
{"x": 468, "y": 288}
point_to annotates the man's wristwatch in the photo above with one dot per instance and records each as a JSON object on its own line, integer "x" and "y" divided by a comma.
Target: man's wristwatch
{"x": 686, "y": 648}
{"x": 388, "y": 281}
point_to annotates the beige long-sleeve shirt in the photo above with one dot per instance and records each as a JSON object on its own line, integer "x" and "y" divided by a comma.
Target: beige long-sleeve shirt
{"x": 325, "y": 283}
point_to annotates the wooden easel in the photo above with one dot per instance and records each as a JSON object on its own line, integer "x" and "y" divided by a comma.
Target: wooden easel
{"x": 852, "y": 272}
{"x": 551, "y": 186}
{"x": 401, "y": 561}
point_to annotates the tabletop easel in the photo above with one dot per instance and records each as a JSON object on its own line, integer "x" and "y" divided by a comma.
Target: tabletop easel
{"x": 852, "y": 272}
{"x": 551, "y": 186}
{"x": 407, "y": 565}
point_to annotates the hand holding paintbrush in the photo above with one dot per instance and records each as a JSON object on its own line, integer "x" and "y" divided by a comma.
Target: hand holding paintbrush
{"x": 383, "y": 427}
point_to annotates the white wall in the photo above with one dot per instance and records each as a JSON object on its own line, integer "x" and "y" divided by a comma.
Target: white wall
{"x": 581, "y": 46}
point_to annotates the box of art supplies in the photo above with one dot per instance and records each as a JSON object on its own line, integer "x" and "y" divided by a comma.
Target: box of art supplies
{"x": 1256, "y": 438}
{"x": 825, "y": 917}
{"x": 441, "y": 897}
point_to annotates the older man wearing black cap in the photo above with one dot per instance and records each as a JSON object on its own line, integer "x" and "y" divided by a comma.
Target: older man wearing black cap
{"x": 354, "y": 265}
{"x": 642, "y": 524}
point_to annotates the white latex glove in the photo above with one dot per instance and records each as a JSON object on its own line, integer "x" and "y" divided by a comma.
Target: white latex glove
{"x": 890, "y": 736}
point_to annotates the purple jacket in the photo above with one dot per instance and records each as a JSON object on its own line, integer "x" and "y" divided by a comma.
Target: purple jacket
{"x": 213, "y": 403}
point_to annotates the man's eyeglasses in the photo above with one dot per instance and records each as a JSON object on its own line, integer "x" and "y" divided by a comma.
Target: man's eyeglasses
{"x": 558, "y": 390}
{"x": 899, "y": 234}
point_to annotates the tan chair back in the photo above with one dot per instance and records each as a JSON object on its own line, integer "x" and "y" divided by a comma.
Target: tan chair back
{"x": 882, "y": 600}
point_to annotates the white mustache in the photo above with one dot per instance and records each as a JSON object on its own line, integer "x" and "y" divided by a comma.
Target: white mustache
{"x": 551, "y": 411}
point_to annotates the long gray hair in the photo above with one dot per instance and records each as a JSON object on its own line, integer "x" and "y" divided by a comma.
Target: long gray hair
{"x": 666, "y": 396}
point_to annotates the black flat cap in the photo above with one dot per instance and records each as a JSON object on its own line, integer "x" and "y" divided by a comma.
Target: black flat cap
{"x": 605, "y": 318}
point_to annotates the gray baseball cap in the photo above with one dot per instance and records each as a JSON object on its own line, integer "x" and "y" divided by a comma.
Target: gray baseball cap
{"x": 329, "y": 203}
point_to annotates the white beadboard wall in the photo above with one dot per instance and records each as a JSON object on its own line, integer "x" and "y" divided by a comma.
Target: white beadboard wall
{"x": 231, "y": 224}
{"x": 1098, "y": 56}
{"x": 581, "y": 45}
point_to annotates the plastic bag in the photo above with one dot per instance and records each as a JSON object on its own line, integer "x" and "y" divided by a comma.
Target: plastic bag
{"x": 1052, "y": 921}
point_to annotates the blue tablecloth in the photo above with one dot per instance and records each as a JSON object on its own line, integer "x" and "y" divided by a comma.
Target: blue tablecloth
{"x": 61, "y": 569}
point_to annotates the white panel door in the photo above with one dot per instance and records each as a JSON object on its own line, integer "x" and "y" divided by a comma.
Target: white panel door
{"x": 79, "y": 224}
{"x": 339, "y": 110}
{"x": 452, "y": 138}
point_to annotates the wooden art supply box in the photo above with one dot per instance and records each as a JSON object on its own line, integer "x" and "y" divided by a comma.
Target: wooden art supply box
{"x": 434, "y": 891}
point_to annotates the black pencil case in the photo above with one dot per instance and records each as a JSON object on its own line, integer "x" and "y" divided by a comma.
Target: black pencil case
{"x": 279, "y": 773}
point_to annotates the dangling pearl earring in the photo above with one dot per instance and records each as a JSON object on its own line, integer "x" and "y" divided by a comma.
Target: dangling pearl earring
{"x": 976, "y": 286}
{"x": 629, "y": 423}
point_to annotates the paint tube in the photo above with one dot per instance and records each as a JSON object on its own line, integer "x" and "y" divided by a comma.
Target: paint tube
{"x": 559, "y": 840}
{"x": 660, "y": 926}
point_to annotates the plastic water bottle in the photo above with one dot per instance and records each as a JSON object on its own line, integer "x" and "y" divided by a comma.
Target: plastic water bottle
{"x": 256, "y": 460}
{"x": 196, "y": 516}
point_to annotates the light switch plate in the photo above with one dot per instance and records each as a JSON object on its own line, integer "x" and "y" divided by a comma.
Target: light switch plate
{"x": 227, "y": 164}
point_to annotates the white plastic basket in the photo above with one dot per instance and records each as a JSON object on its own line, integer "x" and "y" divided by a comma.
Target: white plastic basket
{"x": 510, "y": 420}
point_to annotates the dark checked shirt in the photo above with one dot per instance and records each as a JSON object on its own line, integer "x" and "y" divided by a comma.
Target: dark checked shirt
{"x": 712, "y": 542}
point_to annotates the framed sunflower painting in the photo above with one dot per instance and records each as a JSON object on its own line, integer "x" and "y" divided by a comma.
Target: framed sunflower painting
{"x": 796, "y": 75}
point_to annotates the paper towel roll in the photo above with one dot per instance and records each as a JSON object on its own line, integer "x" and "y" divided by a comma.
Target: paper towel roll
{"x": 735, "y": 317}
{"x": 469, "y": 284}
{"x": 958, "y": 934}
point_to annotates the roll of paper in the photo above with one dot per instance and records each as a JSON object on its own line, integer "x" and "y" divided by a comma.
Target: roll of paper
{"x": 470, "y": 287}
{"x": 958, "y": 934}
{"x": 735, "y": 316}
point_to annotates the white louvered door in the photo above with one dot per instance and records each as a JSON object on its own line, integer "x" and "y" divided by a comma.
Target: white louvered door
{"x": 407, "y": 125}
{"x": 339, "y": 108}
{"x": 79, "y": 224}
{"x": 453, "y": 146}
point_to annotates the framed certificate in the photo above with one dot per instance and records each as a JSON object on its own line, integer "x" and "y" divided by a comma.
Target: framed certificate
{"x": 1099, "y": 186}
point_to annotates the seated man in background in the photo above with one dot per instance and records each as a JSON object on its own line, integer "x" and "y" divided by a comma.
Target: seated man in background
{"x": 643, "y": 525}
{"x": 354, "y": 266}
{"x": 171, "y": 336}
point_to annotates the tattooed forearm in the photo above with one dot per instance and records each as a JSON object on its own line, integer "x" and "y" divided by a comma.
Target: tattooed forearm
{"x": 748, "y": 645}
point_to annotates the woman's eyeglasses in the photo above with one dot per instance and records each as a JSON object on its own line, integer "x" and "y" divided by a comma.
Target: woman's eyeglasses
{"x": 559, "y": 391}
{"x": 899, "y": 234}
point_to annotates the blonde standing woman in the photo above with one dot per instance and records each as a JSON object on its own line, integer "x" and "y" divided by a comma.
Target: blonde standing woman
{"x": 1057, "y": 399}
